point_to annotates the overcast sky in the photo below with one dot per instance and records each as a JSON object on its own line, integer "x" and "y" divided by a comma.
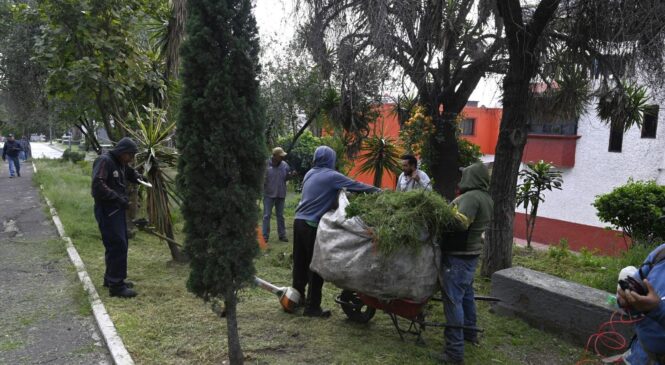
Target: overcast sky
{"x": 276, "y": 23}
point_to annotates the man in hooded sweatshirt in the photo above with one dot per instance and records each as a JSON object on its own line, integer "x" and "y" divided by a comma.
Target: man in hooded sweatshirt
{"x": 460, "y": 252}
{"x": 110, "y": 176}
{"x": 319, "y": 193}
{"x": 648, "y": 345}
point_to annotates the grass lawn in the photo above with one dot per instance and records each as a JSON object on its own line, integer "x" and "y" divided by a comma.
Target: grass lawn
{"x": 167, "y": 325}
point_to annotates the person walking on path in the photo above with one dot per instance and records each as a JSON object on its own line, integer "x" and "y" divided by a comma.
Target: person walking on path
{"x": 460, "y": 252}
{"x": 274, "y": 192}
{"x": 320, "y": 188}
{"x": 110, "y": 175}
{"x": 11, "y": 150}
{"x": 27, "y": 151}
{"x": 411, "y": 177}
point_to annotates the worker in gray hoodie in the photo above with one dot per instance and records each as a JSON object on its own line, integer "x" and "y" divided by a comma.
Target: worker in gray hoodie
{"x": 319, "y": 193}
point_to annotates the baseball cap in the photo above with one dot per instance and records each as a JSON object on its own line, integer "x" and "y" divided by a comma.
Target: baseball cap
{"x": 278, "y": 151}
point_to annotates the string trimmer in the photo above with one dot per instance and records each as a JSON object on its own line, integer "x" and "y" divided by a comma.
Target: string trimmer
{"x": 289, "y": 298}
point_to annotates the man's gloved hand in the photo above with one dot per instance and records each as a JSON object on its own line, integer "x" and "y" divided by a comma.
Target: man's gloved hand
{"x": 124, "y": 202}
{"x": 641, "y": 303}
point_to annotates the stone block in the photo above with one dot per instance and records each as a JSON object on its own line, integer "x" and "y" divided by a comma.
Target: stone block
{"x": 571, "y": 310}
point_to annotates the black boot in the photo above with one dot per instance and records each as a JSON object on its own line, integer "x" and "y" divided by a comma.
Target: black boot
{"x": 121, "y": 291}
{"x": 128, "y": 284}
{"x": 316, "y": 312}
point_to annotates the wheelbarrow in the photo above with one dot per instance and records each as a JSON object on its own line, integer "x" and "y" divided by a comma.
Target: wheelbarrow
{"x": 360, "y": 308}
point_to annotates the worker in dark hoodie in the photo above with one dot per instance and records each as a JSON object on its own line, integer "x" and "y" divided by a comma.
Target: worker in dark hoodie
{"x": 110, "y": 176}
{"x": 460, "y": 252}
{"x": 319, "y": 193}
{"x": 11, "y": 150}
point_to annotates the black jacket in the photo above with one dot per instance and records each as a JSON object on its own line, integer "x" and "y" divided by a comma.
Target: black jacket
{"x": 110, "y": 176}
{"x": 11, "y": 149}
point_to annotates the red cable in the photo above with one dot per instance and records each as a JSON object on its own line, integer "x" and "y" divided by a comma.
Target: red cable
{"x": 609, "y": 338}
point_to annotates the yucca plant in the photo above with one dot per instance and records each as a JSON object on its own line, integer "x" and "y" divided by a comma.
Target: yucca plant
{"x": 380, "y": 154}
{"x": 153, "y": 160}
{"x": 623, "y": 107}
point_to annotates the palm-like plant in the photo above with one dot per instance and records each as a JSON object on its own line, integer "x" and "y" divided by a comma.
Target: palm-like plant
{"x": 623, "y": 107}
{"x": 380, "y": 154}
{"x": 153, "y": 160}
{"x": 537, "y": 178}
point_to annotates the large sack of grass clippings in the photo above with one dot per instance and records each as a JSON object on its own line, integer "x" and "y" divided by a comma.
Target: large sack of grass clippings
{"x": 346, "y": 254}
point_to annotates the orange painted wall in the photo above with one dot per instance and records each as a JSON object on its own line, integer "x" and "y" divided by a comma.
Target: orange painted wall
{"x": 388, "y": 123}
{"x": 486, "y": 133}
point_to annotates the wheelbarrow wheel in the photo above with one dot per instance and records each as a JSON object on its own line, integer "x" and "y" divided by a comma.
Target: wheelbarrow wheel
{"x": 354, "y": 308}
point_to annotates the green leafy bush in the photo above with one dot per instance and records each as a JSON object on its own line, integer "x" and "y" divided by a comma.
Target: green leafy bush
{"x": 72, "y": 156}
{"x": 469, "y": 153}
{"x": 636, "y": 209}
{"x": 399, "y": 219}
{"x": 301, "y": 155}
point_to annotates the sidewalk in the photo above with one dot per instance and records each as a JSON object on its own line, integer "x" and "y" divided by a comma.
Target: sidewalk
{"x": 44, "y": 312}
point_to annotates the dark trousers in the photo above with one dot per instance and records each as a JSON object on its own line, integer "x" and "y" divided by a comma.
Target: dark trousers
{"x": 113, "y": 227}
{"x": 304, "y": 236}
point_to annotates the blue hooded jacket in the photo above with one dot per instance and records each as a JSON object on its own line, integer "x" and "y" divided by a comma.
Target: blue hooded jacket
{"x": 321, "y": 185}
{"x": 651, "y": 330}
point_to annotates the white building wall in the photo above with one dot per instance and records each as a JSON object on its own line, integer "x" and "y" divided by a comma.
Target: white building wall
{"x": 598, "y": 171}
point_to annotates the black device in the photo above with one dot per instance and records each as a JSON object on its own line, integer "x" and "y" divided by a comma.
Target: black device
{"x": 632, "y": 284}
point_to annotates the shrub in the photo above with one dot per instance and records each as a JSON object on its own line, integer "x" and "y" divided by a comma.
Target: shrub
{"x": 72, "y": 156}
{"x": 636, "y": 209}
{"x": 300, "y": 158}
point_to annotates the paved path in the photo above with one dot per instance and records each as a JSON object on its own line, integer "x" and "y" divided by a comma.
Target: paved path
{"x": 44, "y": 150}
{"x": 44, "y": 313}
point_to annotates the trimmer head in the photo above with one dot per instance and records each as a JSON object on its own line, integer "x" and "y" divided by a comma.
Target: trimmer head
{"x": 290, "y": 299}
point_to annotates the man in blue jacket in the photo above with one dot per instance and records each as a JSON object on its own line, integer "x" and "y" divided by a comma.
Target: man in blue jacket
{"x": 11, "y": 150}
{"x": 648, "y": 346}
{"x": 110, "y": 176}
{"x": 319, "y": 193}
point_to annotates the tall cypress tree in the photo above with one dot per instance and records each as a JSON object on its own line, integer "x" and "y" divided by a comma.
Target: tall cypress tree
{"x": 220, "y": 136}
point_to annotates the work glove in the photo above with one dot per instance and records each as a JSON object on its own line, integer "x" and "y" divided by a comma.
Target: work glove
{"x": 124, "y": 202}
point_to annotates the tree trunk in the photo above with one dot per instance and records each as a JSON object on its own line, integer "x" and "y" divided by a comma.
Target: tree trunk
{"x": 301, "y": 131}
{"x": 498, "y": 251}
{"x": 523, "y": 62}
{"x": 235, "y": 351}
{"x": 444, "y": 154}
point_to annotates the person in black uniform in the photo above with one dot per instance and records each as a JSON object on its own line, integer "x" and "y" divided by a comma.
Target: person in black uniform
{"x": 110, "y": 176}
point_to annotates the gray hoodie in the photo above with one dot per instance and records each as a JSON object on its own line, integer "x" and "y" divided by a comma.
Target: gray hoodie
{"x": 322, "y": 184}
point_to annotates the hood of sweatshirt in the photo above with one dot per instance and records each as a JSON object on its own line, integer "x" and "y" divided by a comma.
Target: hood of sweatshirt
{"x": 325, "y": 156}
{"x": 475, "y": 177}
{"x": 125, "y": 145}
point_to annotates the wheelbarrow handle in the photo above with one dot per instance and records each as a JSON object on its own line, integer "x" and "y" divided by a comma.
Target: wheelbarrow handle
{"x": 481, "y": 298}
{"x": 456, "y": 326}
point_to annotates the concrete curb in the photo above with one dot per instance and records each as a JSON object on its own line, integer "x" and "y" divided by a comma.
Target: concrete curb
{"x": 113, "y": 341}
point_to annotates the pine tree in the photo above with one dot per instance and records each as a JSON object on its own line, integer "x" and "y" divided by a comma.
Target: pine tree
{"x": 220, "y": 136}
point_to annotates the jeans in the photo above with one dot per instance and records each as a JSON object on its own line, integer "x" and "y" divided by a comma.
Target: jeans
{"x": 457, "y": 272}
{"x": 14, "y": 165}
{"x": 21, "y": 156}
{"x": 304, "y": 237}
{"x": 279, "y": 212}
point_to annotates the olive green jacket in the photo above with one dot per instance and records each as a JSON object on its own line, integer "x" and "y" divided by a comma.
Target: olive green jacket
{"x": 474, "y": 207}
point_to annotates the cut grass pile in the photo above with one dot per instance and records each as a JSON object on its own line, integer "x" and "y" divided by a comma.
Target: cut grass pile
{"x": 402, "y": 220}
{"x": 167, "y": 325}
